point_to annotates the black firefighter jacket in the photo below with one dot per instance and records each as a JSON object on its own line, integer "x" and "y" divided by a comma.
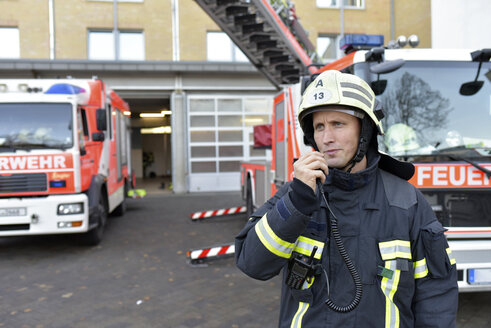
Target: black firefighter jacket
{"x": 391, "y": 234}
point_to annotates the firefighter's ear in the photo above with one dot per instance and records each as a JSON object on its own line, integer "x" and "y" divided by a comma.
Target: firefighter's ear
{"x": 309, "y": 142}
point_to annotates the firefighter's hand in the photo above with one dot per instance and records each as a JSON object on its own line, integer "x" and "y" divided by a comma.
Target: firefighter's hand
{"x": 310, "y": 167}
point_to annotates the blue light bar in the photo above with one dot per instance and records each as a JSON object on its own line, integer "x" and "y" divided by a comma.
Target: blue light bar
{"x": 64, "y": 89}
{"x": 361, "y": 41}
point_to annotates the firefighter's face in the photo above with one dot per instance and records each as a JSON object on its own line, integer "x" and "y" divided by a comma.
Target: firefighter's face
{"x": 336, "y": 135}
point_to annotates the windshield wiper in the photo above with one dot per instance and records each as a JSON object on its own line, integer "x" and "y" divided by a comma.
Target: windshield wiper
{"x": 30, "y": 146}
{"x": 451, "y": 154}
{"x": 6, "y": 148}
{"x": 471, "y": 162}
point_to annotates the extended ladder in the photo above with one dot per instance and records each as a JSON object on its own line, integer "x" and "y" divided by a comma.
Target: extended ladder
{"x": 271, "y": 37}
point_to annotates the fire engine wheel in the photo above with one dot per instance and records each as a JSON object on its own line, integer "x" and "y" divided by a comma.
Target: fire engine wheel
{"x": 121, "y": 209}
{"x": 94, "y": 236}
{"x": 249, "y": 205}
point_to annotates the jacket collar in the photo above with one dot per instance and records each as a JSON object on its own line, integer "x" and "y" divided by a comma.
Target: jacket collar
{"x": 352, "y": 181}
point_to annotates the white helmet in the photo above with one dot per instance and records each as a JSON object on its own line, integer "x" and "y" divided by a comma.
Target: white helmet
{"x": 355, "y": 97}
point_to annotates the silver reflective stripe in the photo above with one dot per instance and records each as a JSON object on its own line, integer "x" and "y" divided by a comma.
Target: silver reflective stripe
{"x": 389, "y": 288}
{"x": 357, "y": 87}
{"x": 395, "y": 249}
{"x": 451, "y": 257}
{"x": 305, "y": 246}
{"x": 358, "y": 97}
{"x": 297, "y": 318}
{"x": 271, "y": 241}
{"x": 420, "y": 269}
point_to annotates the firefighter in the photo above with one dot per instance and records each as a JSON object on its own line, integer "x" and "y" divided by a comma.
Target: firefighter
{"x": 401, "y": 139}
{"x": 392, "y": 266}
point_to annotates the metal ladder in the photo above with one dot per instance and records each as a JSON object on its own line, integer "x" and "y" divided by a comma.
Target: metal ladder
{"x": 269, "y": 35}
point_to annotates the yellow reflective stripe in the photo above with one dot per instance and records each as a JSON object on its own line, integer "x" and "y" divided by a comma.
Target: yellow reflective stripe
{"x": 420, "y": 269}
{"x": 307, "y": 284}
{"x": 450, "y": 256}
{"x": 389, "y": 288}
{"x": 305, "y": 246}
{"x": 297, "y": 318}
{"x": 390, "y": 250}
{"x": 394, "y": 243}
{"x": 271, "y": 241}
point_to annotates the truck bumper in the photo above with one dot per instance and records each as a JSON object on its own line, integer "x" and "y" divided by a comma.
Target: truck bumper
{"x": 40, "y": 215}
{"x": 473, "y": 259}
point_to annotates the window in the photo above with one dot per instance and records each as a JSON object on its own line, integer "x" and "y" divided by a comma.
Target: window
{"x": 50, "y": 125}
{"x": 219, "y": 47}
{"x": 221, "y": 136}
{"x": 85, "y": 125}
{"x": 10, "y": 42}
{"x": 328, "y": 46}
{"x": 118, "y": 0}
{"x": 131, "y": 45}
{"x": 220, "y": 131}
{"x": 351, "y": 4}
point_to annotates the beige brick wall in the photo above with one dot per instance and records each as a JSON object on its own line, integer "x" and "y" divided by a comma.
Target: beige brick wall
{"x": 31, "y": 18}
{"x": 374, "y": 19}
{"x": 151, "y": 16}
{"x": 74, "y": 18}
{"x": 414, "y": 17}
{"x": 411, "y": 17}
{"x": 194, "y": 23}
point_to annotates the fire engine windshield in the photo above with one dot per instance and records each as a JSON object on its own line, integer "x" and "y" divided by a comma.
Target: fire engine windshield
{"x": 35, "y": 125}
{"x": 425, "y": 113}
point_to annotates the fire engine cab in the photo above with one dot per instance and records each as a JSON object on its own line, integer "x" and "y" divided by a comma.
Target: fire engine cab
{"x": 64, "y": 157}
{"x": 437, "y": 118}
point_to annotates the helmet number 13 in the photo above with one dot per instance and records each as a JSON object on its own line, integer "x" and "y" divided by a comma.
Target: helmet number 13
{"x": 319, "y": 95}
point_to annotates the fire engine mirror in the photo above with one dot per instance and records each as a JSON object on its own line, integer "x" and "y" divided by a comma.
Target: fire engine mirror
{"x": 387, "y": 66}
{"x": 378, "y": 86}
{"x": 470, "y": 88}
{"x": 101, "y": 120}
{"x": 98, "y": 136}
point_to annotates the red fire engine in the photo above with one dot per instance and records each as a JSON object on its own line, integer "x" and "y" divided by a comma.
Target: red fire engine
{"x": 64, "y": 157}
{"x": 437, "y": 116}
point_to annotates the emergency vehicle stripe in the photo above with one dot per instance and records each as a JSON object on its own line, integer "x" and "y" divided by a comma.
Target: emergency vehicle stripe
{"x": 389, "y": 288}
{"x": 271, "y": 241}
{"x": 420, "y": 269}
{"x": 305, "y": 246}
{"x": 395, "y": 249}
{"x": 297, "y": 318}
{"x": 450, "y": 256}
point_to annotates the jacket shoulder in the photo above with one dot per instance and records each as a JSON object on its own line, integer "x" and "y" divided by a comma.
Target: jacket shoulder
{"x": 399, "y": 192}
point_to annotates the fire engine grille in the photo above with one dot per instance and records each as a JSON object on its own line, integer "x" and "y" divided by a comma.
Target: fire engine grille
{"x": 23, "y": 183}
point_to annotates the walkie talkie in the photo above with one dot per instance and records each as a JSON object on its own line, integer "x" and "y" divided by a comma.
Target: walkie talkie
{"x": 301, "y": 269}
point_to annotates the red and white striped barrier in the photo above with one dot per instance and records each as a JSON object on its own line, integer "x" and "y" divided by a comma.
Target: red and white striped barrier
{"x": 223, "y": 211}
{"x": 205, "y": 254}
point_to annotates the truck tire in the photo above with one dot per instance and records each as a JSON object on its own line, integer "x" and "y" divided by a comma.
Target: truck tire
{"x": 249, "y": 203}
{"x": 94, "y": 236}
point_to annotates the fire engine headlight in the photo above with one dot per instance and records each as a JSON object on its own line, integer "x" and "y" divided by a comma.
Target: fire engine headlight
{"x": 72, "y": 208}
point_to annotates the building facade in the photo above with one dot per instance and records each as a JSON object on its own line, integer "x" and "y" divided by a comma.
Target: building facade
{"x": 193, "y": 94}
